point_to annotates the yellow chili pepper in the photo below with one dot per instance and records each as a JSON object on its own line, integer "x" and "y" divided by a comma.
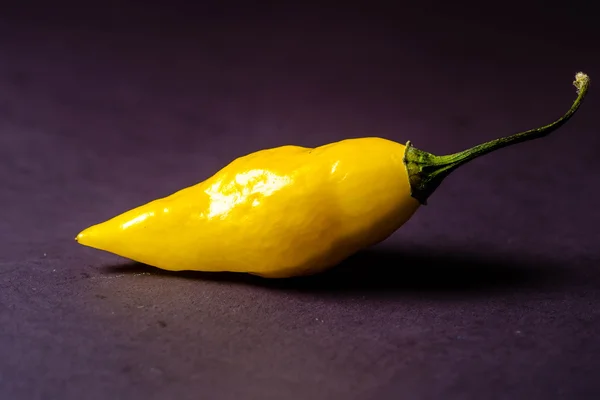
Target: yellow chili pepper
{"x": 291, "y": 210}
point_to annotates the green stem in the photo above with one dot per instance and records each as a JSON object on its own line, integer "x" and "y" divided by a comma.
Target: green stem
{"x": 427, "y": 171}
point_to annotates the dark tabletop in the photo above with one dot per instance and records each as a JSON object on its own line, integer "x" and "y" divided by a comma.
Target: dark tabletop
{"x": 490, "y": 292}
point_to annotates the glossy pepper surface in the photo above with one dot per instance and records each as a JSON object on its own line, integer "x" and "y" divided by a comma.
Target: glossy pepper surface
{"x": 291, "y": 211}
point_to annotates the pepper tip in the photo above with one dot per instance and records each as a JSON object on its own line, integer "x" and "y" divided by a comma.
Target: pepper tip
{"x": 79, "y": 236}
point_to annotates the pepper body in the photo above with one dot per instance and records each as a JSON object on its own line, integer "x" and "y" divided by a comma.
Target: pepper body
{"x": 280, "y": 212}
{"x": 291, "y": 210}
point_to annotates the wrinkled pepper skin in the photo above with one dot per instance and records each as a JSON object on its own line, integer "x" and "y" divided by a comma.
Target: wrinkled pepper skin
{"x": 280, "y": 212}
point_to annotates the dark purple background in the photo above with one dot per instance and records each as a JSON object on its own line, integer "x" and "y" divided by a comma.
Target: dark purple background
{"x": 490, "y": 292}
